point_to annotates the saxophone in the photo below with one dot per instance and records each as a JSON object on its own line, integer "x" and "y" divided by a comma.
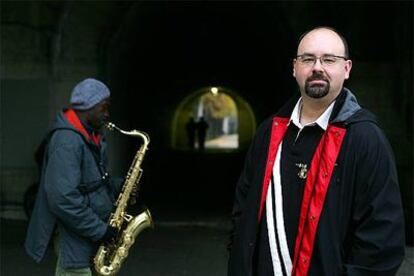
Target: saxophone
{"x": 109, "y": 257}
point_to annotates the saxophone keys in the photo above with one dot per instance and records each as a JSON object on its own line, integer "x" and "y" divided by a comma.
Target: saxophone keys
{"x": 128, "y": 218}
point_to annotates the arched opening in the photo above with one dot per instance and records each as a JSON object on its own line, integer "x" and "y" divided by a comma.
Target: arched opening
{"x": 214, "y": 119}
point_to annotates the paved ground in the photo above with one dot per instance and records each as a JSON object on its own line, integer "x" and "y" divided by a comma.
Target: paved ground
{"x": 169, "y": 249}
{"x": 172, "y": 248}
{"x": 407, "y": 268}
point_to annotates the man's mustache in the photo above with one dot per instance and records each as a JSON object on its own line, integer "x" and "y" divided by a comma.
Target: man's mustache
{"x": 317, "y": 77}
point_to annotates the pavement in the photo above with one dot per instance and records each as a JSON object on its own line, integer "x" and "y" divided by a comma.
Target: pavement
{"x": 171, "y": 248}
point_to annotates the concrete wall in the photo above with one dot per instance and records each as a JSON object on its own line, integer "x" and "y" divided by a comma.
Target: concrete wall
{"x": 46, "y": 48}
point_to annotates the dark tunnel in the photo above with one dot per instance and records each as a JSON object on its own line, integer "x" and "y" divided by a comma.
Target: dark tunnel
{"x": 159, "y": 59}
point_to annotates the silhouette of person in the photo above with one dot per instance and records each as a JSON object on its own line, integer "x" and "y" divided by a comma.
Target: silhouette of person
{"x": 191, "y": 127}
{"x": 202, "y": 127}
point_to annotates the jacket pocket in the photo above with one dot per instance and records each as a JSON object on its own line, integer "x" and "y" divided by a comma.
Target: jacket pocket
{"x": 98, "y": 197}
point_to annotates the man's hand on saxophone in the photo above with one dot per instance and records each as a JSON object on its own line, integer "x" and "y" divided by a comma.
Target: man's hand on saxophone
{"x": 110, "y": 235}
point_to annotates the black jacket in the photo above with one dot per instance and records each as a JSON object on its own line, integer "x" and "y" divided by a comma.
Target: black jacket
{"x": 360, "y": 231}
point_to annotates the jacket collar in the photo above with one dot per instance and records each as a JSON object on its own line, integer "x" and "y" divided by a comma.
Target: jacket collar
{"x": 344, "y": 108}
{"x": 76, "y": 123}
{"x": 322, "y": 121}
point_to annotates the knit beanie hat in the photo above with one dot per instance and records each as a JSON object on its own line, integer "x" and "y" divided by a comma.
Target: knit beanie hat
{"x": 88, "y": 93}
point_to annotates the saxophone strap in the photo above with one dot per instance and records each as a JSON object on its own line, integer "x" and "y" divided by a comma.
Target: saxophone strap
{"x": 86, "y": 188}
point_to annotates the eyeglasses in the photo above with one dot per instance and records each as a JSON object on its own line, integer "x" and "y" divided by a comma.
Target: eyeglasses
{"x": 325, "y": 60}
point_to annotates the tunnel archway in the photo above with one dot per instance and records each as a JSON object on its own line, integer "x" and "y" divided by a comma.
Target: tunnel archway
{"x": 234, "y": 119}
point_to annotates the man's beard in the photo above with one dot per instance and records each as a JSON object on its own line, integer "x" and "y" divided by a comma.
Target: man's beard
{"x": 317, "y": 91}
{"x": 98, "y": 123}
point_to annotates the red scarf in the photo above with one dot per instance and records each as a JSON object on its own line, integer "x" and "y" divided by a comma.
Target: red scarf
{"x": 76, "y": 123}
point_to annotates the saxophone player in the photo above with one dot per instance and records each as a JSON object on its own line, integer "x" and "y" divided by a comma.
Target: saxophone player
{"x": 76, "y": 194}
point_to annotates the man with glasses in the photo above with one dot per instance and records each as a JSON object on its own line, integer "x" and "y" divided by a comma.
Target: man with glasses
{"x": 319, "y": 193}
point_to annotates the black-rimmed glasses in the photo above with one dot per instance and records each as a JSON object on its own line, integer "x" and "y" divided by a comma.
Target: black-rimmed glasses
{"x": 325, "y": 60}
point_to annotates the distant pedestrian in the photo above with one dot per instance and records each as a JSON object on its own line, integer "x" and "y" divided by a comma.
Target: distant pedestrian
{"x": 191, "y": 132}
{"x": 202, "y": 127}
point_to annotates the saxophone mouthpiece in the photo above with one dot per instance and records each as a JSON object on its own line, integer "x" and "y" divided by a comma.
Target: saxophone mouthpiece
{"x": 110, "y": 125}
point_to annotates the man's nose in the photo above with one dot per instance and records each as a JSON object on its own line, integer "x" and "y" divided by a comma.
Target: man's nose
{"x": 317, "y": 66}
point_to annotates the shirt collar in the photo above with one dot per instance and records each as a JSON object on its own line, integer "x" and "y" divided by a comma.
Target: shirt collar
{"x": 322, "y": 121}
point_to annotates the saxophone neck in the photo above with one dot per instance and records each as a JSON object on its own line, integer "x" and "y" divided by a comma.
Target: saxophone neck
{"x": 135, "y": 133}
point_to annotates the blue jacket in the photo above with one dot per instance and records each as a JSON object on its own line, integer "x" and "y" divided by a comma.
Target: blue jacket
{"x": 73, "y": 196}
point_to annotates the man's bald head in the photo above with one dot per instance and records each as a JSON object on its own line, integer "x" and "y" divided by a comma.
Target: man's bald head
{"x": 340, "y": 36}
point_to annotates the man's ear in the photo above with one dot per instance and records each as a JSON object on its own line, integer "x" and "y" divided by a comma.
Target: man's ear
{"x": 294, "y": 70}
{"x": 348, "y": 67}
